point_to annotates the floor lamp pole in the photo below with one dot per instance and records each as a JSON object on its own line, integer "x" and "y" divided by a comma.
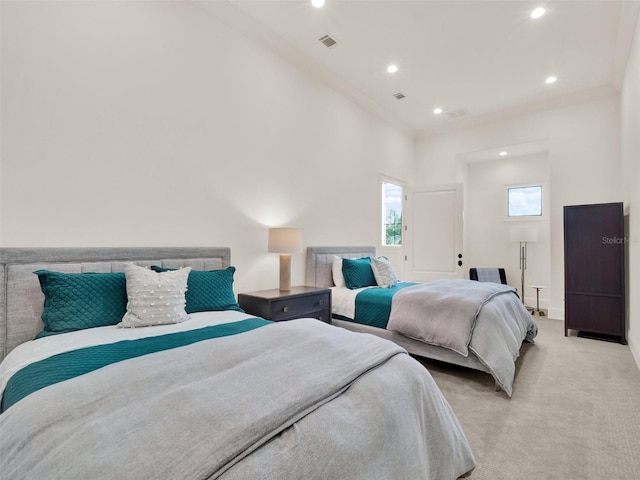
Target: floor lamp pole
{"x": 523, "y": 267}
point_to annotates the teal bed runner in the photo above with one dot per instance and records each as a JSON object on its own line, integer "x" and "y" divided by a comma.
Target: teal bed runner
{"x": 373, "y": 305}
{"x": 65, "y": 366}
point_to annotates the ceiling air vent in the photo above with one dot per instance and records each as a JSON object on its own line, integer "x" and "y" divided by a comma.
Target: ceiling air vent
{"x": 399, "y": 95}
{"x": 327, "y": 41}
{"x": 461, "y": 112}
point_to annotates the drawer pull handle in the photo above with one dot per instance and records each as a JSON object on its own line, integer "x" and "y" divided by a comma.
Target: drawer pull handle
{"x": 320, "y": 302}
{"x": 285, "y": 309}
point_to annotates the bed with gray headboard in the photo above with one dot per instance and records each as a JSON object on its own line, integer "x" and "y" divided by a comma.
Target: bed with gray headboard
{"x": 319, "y": 261}
{"x": 217, "y": 394}
{"x": 22, "y": 300}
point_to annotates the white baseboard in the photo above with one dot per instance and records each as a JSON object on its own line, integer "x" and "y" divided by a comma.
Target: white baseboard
{"x": 556, "y": 314}
{"x": 634, "y": 346}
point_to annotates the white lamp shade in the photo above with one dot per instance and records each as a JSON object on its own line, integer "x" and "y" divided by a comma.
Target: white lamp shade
{"x": 523, "y": 234}
{"x": 285, "y": 240}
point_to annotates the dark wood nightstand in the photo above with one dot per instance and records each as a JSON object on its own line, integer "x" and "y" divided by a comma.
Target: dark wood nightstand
{"x": 299, "y": 302}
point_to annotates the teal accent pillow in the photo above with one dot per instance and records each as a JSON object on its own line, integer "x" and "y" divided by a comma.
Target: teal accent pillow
{"x": 208, "y": 290}
{"x": 357, "y": 272}
{"x": 76, "y": 301}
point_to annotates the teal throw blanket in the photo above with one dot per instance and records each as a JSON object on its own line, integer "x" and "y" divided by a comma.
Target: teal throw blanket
{"x": 373, "y": 305}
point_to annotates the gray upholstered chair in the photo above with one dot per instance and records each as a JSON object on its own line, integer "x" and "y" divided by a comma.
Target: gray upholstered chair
{"x": 495, "y": 275}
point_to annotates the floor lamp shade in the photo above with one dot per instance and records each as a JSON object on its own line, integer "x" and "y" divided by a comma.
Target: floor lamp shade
{"x": 285, "y": 241}
{"x": 523, "y": 235}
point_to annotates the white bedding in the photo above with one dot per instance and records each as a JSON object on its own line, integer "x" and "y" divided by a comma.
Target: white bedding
{"x": 36, "y": 350}
{"x": 343, "y": 301}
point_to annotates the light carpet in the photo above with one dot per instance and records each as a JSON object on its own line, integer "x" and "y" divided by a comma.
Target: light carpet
{"x": 574, "y": 413}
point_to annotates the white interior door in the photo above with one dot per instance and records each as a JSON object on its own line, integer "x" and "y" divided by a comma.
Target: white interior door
{"x": 433, "y": 233}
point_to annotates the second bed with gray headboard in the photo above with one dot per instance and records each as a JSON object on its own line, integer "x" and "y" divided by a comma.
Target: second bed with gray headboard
{"x": 319, "y": 262}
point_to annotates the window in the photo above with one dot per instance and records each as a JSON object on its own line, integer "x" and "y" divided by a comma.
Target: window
{"x": 392, "y": 214}
{"x": 524, "y": 201}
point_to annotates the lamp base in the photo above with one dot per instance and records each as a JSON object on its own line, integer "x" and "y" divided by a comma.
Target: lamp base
{"x": 285, "y": 273}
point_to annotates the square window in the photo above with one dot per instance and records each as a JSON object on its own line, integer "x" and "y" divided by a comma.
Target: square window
{"x": 524, "y": 201}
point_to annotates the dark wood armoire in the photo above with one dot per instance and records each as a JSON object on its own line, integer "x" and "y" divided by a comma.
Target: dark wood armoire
{"x": 594, "y": 277}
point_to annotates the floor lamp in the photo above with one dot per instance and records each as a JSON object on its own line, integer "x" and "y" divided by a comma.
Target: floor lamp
{"x": 523, "y": 235}
{"x": 285, "y": 241}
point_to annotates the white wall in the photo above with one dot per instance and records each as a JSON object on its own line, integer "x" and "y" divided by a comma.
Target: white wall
{"x": 584, "y": 164}
{"x": 487, "y": 229}
{"x": 630, "y": 151}
{"x": 155, "y": 124}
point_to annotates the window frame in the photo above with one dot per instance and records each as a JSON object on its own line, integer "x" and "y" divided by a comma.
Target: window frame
{"x": 543, "y": 202}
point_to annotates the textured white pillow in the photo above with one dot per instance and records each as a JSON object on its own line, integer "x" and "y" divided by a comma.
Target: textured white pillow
{"x": 336, "y": 269}
{"x": 154, "y": 298}
{"x": 383, "y": 272}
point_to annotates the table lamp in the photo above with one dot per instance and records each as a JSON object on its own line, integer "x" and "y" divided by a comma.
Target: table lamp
{"x": 285, "y": 241}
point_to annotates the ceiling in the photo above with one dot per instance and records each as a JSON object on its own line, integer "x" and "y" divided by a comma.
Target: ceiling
{"x": 474, "y": 59}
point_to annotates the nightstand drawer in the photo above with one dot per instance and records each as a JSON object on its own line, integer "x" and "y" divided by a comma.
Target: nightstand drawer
{"x": 296, "y": 307}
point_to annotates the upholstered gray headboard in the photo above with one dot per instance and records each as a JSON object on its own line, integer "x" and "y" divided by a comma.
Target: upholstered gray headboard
{"x": 22, "y": 301}
{"x": 320, "y": 259}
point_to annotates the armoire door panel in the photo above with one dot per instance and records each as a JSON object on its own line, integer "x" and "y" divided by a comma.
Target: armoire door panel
{"x": 594, "y": 314}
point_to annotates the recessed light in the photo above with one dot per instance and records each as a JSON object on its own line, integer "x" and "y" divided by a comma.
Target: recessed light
{"x": 437, "y": 110}
{"x": 392, "y": 68}
{"x": 551, "y": 79}
{"x": 317, "y": 3}
{"x": 538, "y": 12}
{"x": 503, "y": 153}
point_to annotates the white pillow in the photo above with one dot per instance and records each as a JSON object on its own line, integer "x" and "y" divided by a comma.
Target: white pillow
{"x": 336, "y": 269}
{"x": 383, "y": 272}
{"x": 154, "y": 298}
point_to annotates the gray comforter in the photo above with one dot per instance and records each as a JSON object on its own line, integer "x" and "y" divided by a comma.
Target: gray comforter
{"x": 291, "y": 400}
{"x": 486, "y": 319}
